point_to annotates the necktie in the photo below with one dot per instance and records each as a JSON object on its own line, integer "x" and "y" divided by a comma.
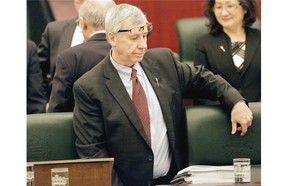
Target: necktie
{"x": 140, "y": 101}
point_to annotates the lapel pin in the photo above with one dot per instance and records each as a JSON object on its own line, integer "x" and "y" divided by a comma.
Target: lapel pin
{"x": 157, "y": 81}
{"x": 222, "y": 48}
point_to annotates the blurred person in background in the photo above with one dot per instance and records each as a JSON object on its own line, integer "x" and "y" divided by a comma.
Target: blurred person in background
{"x": 36, "y": 99}
{"x": 73, "y": 62}
{"x": 232, "y": 49}
{"x": 57, "y": 36}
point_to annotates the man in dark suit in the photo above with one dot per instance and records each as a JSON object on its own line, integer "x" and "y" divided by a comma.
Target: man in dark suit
{"x": 57, "y": 36}
{"x": 35, "y": 93}
{"x": 75, "y": 61}
{"x": 107, "y": 121}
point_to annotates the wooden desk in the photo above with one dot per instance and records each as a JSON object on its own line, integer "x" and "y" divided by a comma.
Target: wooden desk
{"x": 84, "y": 172}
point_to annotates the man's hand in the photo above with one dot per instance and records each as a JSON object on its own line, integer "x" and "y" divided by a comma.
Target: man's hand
{"x": 241, "y": 115}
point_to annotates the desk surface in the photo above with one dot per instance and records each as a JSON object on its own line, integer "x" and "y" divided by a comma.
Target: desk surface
{"x": 255, "y": 179}
{"x": 256, "y": 173}
{"x": 92, "y": 160}
{"x": 221, "y": 184}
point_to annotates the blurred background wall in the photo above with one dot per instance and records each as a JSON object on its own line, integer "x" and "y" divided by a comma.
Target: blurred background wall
{"x": 162, "y": 13}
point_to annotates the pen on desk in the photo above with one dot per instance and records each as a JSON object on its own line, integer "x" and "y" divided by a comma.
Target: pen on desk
{"x": 222, "y": 48}
{"x": 157, "y": 81}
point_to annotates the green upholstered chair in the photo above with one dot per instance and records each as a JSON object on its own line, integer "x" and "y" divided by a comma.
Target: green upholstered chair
{"x": 257, "y": 24}
{"x": 188, "y": 29}
{"x": 50, "y": 136}
{"x": 210, "y": 141}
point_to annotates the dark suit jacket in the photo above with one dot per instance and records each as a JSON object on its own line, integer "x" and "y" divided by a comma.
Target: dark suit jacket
{"x": 56, "y": 37}
{"x": 71, "y": 64}
{"x": 209, "y": 54}
{"x": 106, "y": 122}
{"x": 36, "y": 100}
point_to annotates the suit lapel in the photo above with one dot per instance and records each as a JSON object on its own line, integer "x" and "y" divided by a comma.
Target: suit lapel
{"x": 225, "y": 60}
{"x": 252, "y": 43}
{"x": 121, "y": 96}
{"x": 66, "y": 37}
{"x": 251, "y": 46}
{"x": 164, "y": 98}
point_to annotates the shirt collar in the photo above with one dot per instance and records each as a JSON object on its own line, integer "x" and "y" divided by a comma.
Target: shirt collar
{"x": 97, "y": 32}
{"x": 124, "y": 70}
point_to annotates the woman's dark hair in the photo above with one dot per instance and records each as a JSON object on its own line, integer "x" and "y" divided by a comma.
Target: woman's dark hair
{"x": 249, "y": 18}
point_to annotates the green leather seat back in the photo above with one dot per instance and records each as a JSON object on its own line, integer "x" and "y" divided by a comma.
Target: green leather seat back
{"x": 50, "y": 136}
{"x": 210, "y": 141}
{"x": 188, "y": 29}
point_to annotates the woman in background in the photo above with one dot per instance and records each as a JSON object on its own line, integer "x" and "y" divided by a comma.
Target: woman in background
{"x": 232, "y": 48}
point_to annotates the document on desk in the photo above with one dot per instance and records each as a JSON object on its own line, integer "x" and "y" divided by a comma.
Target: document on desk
{"x": 205, "y": 174}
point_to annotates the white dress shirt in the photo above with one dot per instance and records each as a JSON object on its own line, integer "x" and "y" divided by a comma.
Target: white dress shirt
{"x": 159, "y": 138}
{"x": 78, "y": 37}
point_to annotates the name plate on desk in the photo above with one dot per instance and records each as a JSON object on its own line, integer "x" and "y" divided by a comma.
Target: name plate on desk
{"x": 84, "y": 172}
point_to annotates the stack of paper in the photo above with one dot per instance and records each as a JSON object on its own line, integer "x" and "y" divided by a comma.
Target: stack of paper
{"x": 205, "y": 174}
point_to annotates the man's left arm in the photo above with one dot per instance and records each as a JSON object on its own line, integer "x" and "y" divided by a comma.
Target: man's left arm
{"x": 204, "y": 84}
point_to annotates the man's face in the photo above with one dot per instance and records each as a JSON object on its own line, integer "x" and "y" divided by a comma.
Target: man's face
{"x": 129, "y": 44}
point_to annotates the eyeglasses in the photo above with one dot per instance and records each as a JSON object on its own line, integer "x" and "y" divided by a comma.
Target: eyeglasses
{"x": 229, "y": 8}
{"x": 138, "y": 30}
